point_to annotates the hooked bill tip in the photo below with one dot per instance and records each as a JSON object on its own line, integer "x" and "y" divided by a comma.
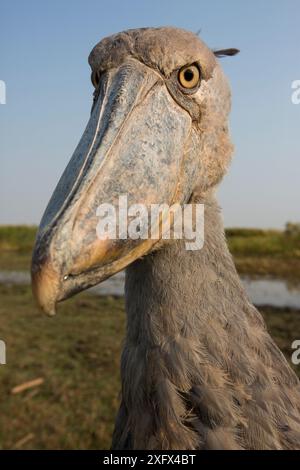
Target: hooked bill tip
{"x": 50, "y": 310}
{"x": 45, "y": 286}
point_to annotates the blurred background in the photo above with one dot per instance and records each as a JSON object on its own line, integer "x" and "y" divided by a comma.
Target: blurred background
{"x": 60, "y": 383}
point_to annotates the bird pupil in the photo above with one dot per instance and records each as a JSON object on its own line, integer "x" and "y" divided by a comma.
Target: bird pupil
{"x": 188, "y": 75}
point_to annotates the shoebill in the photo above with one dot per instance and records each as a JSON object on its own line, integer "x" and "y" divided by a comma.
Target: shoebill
{"x": 199, "y": 369}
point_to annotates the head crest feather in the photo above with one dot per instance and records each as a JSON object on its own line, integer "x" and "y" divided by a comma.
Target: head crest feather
{"x": 226, "y": 52}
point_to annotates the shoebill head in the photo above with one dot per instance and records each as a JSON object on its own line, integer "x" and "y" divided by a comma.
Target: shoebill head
{"x": 157, "y": 133}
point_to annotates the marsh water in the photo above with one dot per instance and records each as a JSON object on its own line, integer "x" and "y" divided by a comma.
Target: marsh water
{"x": 273, "y": 292}
{"x": 261, "y": 291}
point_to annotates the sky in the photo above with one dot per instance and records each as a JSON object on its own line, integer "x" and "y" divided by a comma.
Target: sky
{"x": 44, "y": 47}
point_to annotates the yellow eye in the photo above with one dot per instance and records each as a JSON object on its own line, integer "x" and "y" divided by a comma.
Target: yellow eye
{"x": 189, "y": 76}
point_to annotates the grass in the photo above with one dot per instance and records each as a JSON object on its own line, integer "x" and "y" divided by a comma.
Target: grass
{"x": 16, "y": 243}
{"x": 256, "y": 252}
{"x": 265, "y": 252}
{"x": 77, "y": 354}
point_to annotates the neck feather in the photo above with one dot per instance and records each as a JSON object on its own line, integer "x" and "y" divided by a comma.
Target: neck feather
{"x": 189, "y": 328}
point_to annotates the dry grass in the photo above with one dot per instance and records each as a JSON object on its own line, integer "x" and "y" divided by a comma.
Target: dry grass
{"x": 77, "y": 355}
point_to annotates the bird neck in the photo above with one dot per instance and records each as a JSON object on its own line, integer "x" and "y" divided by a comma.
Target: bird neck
{"x": 179, "y": 306}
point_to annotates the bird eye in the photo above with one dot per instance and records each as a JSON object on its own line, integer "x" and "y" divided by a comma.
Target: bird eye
{"x": 95, "y": 77}
{"x": 189, "y": 76}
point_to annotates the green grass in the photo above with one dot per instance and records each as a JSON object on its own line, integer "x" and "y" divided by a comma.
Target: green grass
{"x": 77, "y": 354}
{"x": 16, "y": 243}
{"x": 265, "y": 252}
{"x": 255, "y": 251}
{"x": 17, "y": 237}
{"x": 252, "y": 242}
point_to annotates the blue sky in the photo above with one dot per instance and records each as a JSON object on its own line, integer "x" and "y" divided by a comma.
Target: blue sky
{"x": 44, "y": 47}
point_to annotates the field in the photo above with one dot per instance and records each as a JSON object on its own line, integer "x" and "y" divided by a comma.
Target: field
{"x": 256, "y": 252}
{"x": 16, "y": 243}
{"x": 76, "y": 354}
{"x": 272, "y": 253}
